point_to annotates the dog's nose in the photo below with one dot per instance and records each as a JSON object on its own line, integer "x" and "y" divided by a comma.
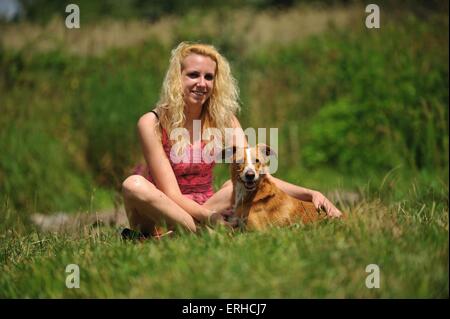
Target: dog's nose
{"x": 250, "y": 176}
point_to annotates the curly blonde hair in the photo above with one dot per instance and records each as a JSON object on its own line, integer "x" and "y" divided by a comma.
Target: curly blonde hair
{"x": 217, "y": 110}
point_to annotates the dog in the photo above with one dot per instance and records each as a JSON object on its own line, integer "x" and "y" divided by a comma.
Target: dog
{"x": 258, "y": 202}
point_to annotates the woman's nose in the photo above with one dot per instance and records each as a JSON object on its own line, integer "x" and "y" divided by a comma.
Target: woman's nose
{"x": 201, "y": 81}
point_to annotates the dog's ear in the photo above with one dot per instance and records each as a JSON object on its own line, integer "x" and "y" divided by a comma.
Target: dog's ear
{"x": 226, "y": 154}
{"x": 267, "y": 151}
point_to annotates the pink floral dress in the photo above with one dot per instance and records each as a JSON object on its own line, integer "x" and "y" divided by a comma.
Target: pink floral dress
{"x": 194, "y": 177}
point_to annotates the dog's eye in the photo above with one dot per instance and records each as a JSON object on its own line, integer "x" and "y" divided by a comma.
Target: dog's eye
{"x": 257, "y": 161}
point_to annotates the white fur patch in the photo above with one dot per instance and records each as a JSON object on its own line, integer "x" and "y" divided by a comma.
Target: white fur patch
{"x": 248, "y": 161}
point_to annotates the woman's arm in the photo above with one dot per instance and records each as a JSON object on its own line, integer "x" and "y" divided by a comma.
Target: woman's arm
{"x": 293, "y": 190}
{"x": 161, "y": 170}
{"x": 317, "y": 198}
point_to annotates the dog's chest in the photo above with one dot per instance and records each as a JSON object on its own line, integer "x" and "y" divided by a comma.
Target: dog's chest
{"x": 239, "y": 195}
{"x": 242, "y": 205}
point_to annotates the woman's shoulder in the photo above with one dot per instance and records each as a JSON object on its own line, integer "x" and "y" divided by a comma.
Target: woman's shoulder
{"x": 148, "y": 124}
{"x": 148, "y": 118}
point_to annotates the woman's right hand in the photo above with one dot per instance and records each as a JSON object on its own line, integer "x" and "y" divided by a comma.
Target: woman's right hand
{"x": 216, "y": 218}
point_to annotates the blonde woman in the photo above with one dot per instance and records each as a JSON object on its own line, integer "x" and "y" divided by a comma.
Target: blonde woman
{"x": 198, "y": 86}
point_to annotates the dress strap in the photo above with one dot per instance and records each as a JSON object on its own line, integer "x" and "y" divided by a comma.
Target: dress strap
{"x": 163, "y": 131}
{"x": 156, "y": 114}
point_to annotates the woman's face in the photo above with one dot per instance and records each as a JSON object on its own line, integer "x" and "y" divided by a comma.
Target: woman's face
{"x": 197, "y": 75}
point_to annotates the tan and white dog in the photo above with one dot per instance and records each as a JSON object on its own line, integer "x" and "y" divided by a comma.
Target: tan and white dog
{"x": 258, "y": 202}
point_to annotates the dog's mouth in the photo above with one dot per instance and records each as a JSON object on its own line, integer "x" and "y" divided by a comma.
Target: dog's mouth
{"x": 249, "y": 185}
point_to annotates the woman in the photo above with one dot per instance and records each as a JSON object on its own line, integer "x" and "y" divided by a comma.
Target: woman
{"x": 198, "y": 86}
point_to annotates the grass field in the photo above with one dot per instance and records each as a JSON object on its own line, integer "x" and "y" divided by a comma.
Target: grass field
{"x": 408, "y": 241}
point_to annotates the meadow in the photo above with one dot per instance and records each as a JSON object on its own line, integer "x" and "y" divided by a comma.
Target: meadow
{"x": 362, "y": 116}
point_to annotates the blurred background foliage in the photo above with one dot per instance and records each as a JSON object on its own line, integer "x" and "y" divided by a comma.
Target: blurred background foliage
{"x": 351, "y": 104}
{"x": 42, "y": 11}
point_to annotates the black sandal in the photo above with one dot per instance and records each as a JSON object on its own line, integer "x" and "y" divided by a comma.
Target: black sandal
{"x": 129, "y": 234}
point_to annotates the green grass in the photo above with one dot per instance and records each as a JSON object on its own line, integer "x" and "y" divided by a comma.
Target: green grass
{"x": 407, "y": 240}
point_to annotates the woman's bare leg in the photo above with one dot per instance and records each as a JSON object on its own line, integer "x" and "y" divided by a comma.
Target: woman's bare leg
{"x": 148, "y": 207}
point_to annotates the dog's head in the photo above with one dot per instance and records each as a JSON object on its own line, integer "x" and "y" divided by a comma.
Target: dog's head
{"x": 249, "y": 165}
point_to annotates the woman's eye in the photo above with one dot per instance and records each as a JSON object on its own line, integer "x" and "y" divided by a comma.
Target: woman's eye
{"x": 209, "y": 77}
{"x": 192, "y": 75}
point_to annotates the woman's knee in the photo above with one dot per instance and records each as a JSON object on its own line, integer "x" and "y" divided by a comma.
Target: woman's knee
{"x": 137, "y": 187}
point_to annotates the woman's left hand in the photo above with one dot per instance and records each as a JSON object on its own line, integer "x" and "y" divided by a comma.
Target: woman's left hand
{"x": 322, "y": 203}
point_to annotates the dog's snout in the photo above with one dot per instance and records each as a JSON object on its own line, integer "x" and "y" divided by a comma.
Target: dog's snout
{"x": 250, "y": 176}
